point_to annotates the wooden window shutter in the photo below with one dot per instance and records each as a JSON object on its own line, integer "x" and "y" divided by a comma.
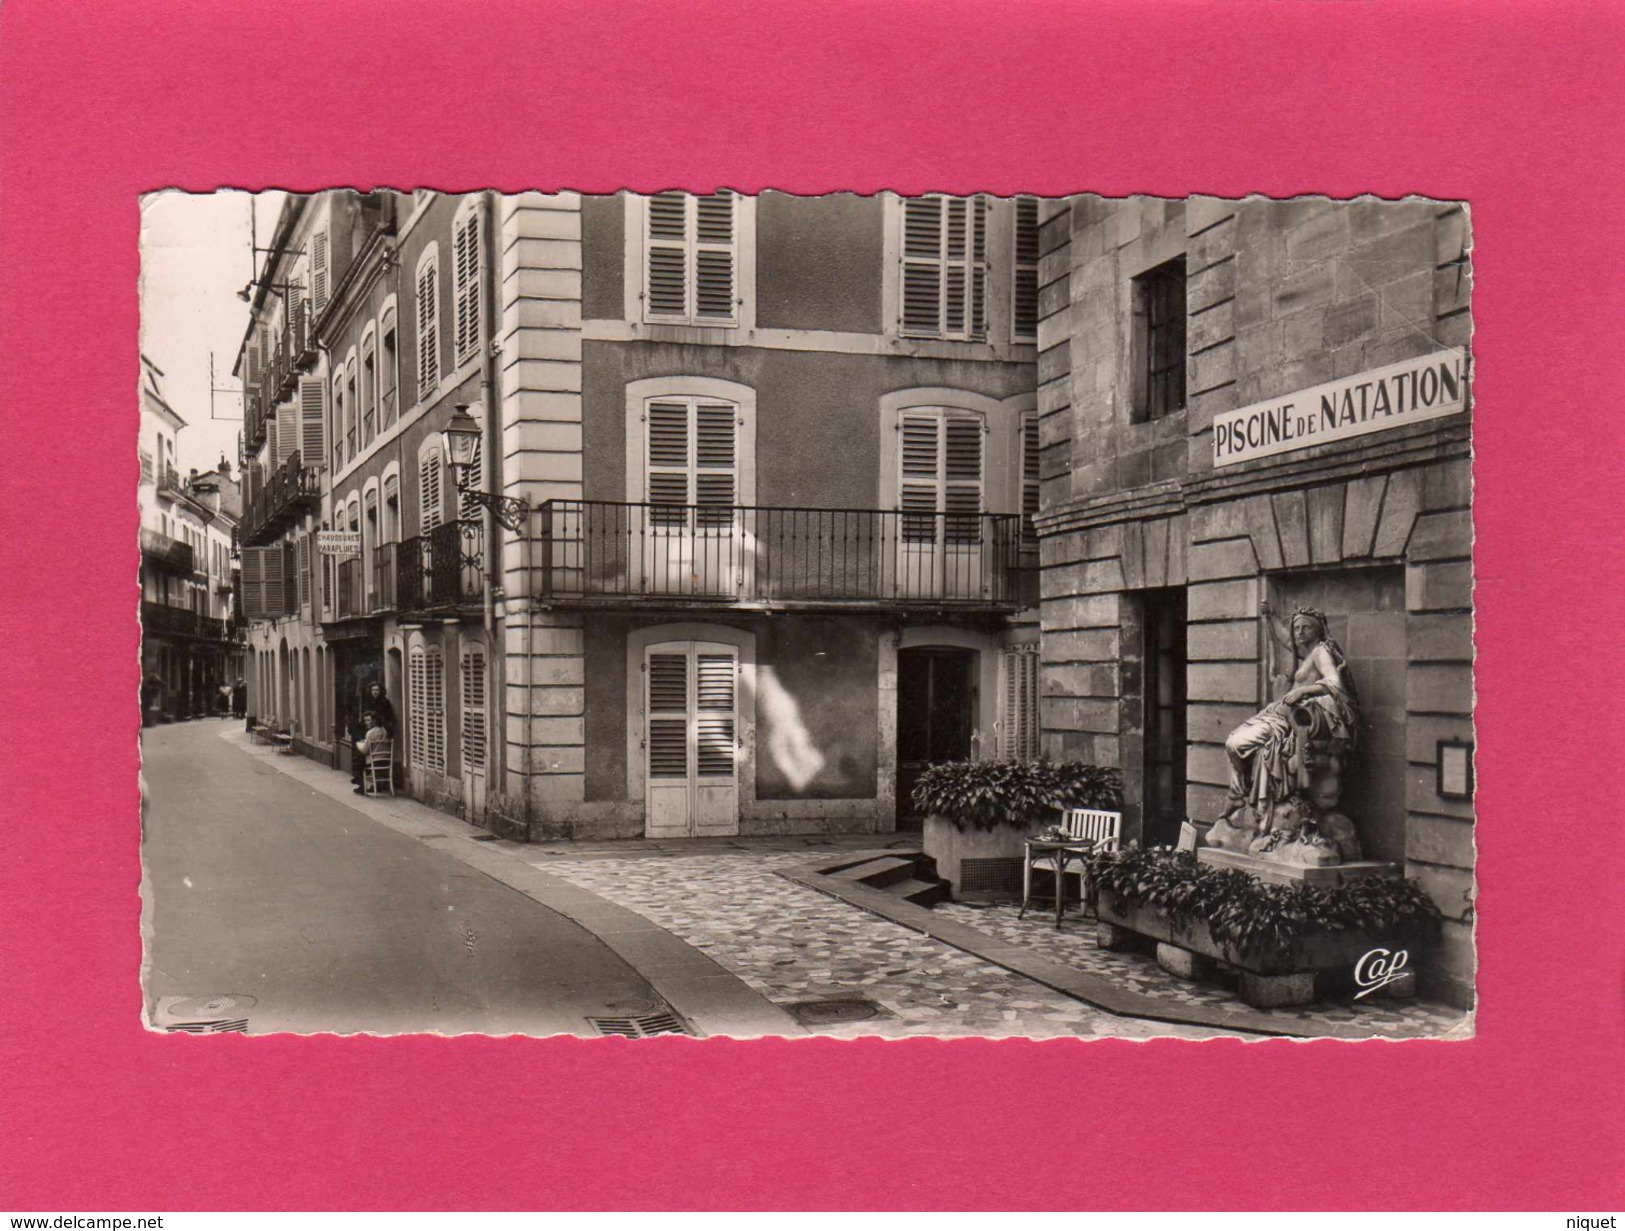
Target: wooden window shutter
{"x": 428, "y": 299}
{"x": 251, "y": 359}
{"x": 668, "y": 736}
{"x": 417, "y": 705}
{"x": 922, "y": 266}
{"x": 312, "y": 421}
{"x": 287, "y": 432}
{"x": 290, "y": 577}
{"x": 251, "y": 585}
{"x": 318, "y": 272}
{"x": 1030, "y": 459}
{"x": 429, "y": 497}
{"x": 271, "y": 582}
{"x": 434, "y": 695}
{"x": 304, "y": 571}
{"x": 466, "y": 286}
{"x": 940, "y": 473}
{"x": 714, "y": 258}
{"x": 714, "y": 677}
{"x": 944, "y": 276}
{"x": 474, "y": 708}
{"x": 1024, "y": 293}
{"x": 666, "y": 247}
{"x": 1021, "y": 730}
{"x": 271, "y": 444}
{"x": 668, "y": 471}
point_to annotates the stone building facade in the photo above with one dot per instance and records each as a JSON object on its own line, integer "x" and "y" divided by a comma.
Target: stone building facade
{"x": 1249, "y": 403}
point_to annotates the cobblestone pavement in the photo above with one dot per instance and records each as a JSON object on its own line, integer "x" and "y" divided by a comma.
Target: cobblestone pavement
{"x": 794, "y": 944}
{"x": 1074, "y": 945}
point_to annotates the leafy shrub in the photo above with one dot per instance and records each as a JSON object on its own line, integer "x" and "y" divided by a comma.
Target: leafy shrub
{"x": 988, "y": 794}
{"x": 1243, "y": 912}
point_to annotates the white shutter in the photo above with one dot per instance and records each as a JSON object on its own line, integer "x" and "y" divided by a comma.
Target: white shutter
{"x": 271, "y": 582}
{"x": 714, "y": 715}
{"x": 252, "y": 583}
{"x": 272, "y": 456}
{"x": 668, "y": 716}
{"x": 312, "y": 421}
{"x": 466, "y": 286}
{"x": 434, "y": 695}
{"x": 944, "y": 274}
{"x": 474, "y": 708}
{"x": 917, "y": 489}
{"x": 428, "y": 299}
{"x": 287, "y": 432}
{"x": 941, "y": 472}
{"x": 668, "y": 471}
{"x": 429, "y": 509}
{"x": 1021, "y": 732}
{"x": 691, "y": 258}
{"x": 318, "y": 272}
{"x": 417, "y": 704}
{"x": 692, "y": 458}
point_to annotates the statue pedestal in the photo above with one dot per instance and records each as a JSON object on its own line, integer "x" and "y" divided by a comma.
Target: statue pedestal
{"x": 1272, "y": 873}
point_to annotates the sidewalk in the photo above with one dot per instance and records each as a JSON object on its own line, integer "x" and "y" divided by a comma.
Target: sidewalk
{"x": 720, "y": 918}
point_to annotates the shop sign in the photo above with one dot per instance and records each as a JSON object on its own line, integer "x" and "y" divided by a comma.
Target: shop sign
{"x": 341, "y": 543}
{"x": 1410, "y": 392}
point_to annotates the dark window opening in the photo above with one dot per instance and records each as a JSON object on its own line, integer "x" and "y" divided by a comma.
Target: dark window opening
{"x": 1159, "y": 315}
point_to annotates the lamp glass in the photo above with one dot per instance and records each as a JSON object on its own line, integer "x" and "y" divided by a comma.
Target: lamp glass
{"x": 460, "y": 442}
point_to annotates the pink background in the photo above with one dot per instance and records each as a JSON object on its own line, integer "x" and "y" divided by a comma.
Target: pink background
{"x": 1514, "y": 107}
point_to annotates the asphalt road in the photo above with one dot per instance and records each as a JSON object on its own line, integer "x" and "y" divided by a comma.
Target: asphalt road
{"x": 259, "y": 885}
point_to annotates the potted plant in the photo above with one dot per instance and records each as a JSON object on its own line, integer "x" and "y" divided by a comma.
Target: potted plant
{"x": 979, "y": 813}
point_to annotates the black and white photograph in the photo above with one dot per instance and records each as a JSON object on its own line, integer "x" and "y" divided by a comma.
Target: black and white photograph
{"x": 724, "y": 615}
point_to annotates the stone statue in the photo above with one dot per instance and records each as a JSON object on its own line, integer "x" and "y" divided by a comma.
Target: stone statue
{"x": 1286, "y": 761}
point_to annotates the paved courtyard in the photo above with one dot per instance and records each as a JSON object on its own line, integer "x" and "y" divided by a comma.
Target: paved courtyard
{"x": 794, "y": 944}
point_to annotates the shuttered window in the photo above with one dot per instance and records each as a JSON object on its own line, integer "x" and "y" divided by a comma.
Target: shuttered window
{"x": 417, "y": 685}
{"x": 693, "y": 459}
{"x": 287, "y": 432}
{"x": 465, "y": 265}
{"x": 692, "y": 692}
{"x": 388, "y": 371}
{"x": 352, "y": 409}
{"x": 429, "y": 492}
{"x": 944, "y": 274}
{"x": 474, "y": 708}
{"x": 1029, "y": 480}
{"x": 428, "y": 301}
{"x": 318, "y": 272}
{"x": 941, "y": 474}
{"x": 304, "y": 571}
{"x": 434, "y": 711}
{"x": 469, "y": 502}
{"x": 312, "y": 421}
{"x": 668, "y": 715}
{"x": 251, "y": 585}
{"x": 340, "y": 421}
{"x": 691, "y": 261}
{"x": 1024, "y": 294}
{"x": 1021, "y": 731}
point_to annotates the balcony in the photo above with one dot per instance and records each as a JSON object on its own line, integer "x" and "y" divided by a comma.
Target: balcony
{"x": 167, "y": 553}
{"x": 164, "y": 620}
{"x": 599, "y": 553}
{"x": 292, "y": 489}
{"x": 443, "y": 570}
{"x": 289, "y": 356}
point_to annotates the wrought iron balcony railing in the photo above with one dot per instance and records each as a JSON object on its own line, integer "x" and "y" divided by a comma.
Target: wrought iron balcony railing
{"x": 442, "y": 569}
{"x": 167, "y": 553}
{"x": 367, "y": 587}
{"x": 595, "y": 552}
{"x": 183, "y": 622}
{"x": 292, "y": 489}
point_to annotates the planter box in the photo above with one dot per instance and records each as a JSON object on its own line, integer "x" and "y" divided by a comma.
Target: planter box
{"x": 1267, "y": 980}
{"x": 978, "y": 863}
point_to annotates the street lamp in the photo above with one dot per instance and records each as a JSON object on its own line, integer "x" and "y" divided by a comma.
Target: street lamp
{"x": 461, "y": 439}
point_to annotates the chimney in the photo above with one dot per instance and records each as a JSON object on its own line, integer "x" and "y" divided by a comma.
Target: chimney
{"x": 191, "y": 476}
{"x": 225, "y": 467}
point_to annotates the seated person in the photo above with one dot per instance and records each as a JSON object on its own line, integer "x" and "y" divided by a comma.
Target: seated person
{"x": 358, "y": 763}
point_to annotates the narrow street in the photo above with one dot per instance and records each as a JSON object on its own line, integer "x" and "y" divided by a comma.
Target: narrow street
{"x": 256, "y": 884}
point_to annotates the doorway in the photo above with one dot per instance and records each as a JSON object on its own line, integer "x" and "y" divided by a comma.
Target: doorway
{"x": 936, "y": 716}
{"x": 1164, "y": 670}
{"x": 690, "y": 739}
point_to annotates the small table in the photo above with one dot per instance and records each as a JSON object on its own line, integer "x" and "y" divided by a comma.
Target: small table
{"x": 1062, "y": 851}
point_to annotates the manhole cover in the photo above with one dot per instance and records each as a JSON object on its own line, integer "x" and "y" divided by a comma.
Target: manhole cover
{"x": 833, "y": 1012}
{"x": 221, "y": 1014}
{"x": 639, "y": 1027}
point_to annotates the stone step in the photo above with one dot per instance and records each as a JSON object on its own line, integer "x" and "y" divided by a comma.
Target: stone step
{"x": 878, "y": 873}
{"x": 921, "y": 893}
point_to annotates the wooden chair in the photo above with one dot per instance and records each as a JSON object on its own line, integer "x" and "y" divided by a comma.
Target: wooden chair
{"x": 1103, "y": 829}
{"x": 380, "y": 766}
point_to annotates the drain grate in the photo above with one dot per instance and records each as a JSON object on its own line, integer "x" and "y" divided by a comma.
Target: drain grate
{"x": 834, "y": 1012}
{"x": 485, "y": 837}
{"x": 225, "y": 1014}
{"x": 639, "y": 1027}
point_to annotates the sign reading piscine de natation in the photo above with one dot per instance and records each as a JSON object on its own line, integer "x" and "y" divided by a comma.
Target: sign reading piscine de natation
{"x": 338, "y": 542}
{"x": 1410, "y": 392}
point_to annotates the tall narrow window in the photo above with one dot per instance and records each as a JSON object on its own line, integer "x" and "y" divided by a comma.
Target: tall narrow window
{"x": 944, "y": 275}
{"x": 429, "y": 491}
{"x": 691, "y": 263}
{"x": 388, "y": 372}
{"x": 352, "y": 402}
{"x": 434, "y": 698}
{"x": 1029, "y": 481}
{"x": 428, "y": 301}
{"x": 1024, "y": 291}
{"x": 417, "y": 703}
{"x": 312, "y": 421}
{"x": 369, "y": 390}
{"x": 1159, "y": 337}
{"x": 693, "y": 459}
{"x": 940, "y": 484}
{"x": 465, "y": 266}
